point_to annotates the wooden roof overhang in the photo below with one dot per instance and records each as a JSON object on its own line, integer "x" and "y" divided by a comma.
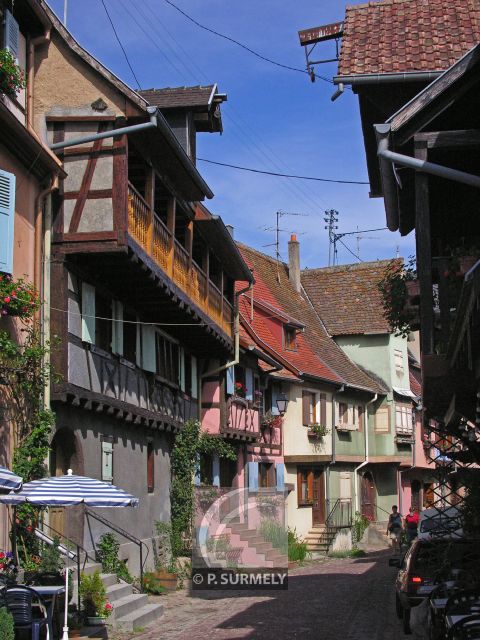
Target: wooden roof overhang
{"x": 128, "y": 273}
{"x": 27, "y": 148}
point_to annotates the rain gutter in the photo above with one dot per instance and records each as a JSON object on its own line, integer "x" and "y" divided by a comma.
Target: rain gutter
{"x": 387, "y": 78}
{"x": 366, "y": 461}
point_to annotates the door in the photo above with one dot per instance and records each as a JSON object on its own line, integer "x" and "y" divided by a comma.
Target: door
{"x": 318, "y": 507}
{"x": 428, "y": 495}
{"x": 368, "y": 496}
{"x": 416, "y": 486}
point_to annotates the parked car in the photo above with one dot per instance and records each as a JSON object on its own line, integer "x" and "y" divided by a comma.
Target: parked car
{"x": 434, "y": 524}
{"x": 426, "y": 564}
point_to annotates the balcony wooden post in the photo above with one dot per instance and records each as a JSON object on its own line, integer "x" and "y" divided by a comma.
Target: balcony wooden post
{"x": 189, "y": 243}
{"x": 424, "y": 252}
{"x": 171, "y": 212}
{"x": 150, "y": 200}
{"x": 206, "y": 268}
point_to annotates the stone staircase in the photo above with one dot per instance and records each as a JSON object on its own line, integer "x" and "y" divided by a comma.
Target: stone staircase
{"x": 130, "y": 610}
{"x": 320, "y": 538}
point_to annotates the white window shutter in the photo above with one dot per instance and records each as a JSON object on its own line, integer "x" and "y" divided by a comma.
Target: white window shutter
{"x": 88, "y": 313}
{"x": 107, "y": 461}
{"x": 181, "y": 357}
{"x": 194, "y": 378}
{"x": 117, "y": 328}
{"x": 7, "y": 218}
{"x": 148, "y": 348}
{"x": 345, "y": 486}
{"x": 12, "y": 35}
{"x": 230, "y": 380}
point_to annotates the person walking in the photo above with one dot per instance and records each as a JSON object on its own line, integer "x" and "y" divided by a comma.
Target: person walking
{"x": 394, "y": 528}
{"x": 411, "y": 524}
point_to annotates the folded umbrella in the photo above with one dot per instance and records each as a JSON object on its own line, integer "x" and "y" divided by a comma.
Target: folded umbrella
{"x": 9, "y": 481}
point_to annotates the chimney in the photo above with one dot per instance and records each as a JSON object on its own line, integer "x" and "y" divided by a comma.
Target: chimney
{"x": 230, "y": 229}
{"x": 294, "y": 262}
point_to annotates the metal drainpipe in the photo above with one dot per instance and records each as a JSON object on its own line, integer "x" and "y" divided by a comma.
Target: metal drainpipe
{"x": 327, "y": 488}
{"x": 37, "y": 276}
{"x": 134, "y": 128}
{"x": 33, "y": 42}
{"x": 47, "y": 245}
{"x": 366, "y": 461}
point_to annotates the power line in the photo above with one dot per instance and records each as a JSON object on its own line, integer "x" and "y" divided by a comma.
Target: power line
{"x": 120, "y": 43}
{"x": 281, "y": 175}
{"x": 243, "y": 46}
{"x": 349, "y": 250}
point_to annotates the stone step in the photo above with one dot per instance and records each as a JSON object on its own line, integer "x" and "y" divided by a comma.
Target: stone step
{"x": 118, "y": 590}
{"x": 123, "y": 606}
{"x": 89, "y": 568}
{"x": 140, "y": 618}
{"x": 109, "y": 579}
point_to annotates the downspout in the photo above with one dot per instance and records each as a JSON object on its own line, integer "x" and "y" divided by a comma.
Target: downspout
{"x": 47, "y": 246}
{"x": 33, "y": 42}
{"x": 366, "y": 461}
{"x": 39, "y": 200}
{"x": 111, "y": 133}
{"x": 327, "y": 483}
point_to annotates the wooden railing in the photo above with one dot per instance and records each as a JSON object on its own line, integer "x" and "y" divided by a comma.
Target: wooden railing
{"x": 242, "y": 417}
{"x": 154, "y": 237}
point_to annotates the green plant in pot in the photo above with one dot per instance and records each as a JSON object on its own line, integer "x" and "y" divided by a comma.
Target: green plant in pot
{"x": 94, "y": 599}
{"x": 12, "y": 77}
{"x": 318, "y": 430}
{"x": 7, "y": 628}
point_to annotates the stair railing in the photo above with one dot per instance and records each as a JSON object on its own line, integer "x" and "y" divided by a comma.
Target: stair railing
{"x": 340, "y": 516}
{"x": 127, "y": 535}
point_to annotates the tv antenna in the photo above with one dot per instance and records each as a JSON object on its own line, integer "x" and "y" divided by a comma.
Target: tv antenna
{"x": 278, "y": 231}
{"x": 331, "y": 219}
{"x": 336, "y": 237}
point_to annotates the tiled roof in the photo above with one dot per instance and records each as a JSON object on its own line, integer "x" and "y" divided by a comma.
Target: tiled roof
{"x": 317, "y": 354}
{"x": 407, "y": 35}
{"x": 347, "y": 297}
{"x": 415, "y": 384}
{"x": 174, "y": 97}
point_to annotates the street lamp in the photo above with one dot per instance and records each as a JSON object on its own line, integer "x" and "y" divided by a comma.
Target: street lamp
{"x": 282, "y": 403}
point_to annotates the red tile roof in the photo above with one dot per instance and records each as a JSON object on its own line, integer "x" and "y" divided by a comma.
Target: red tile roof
{"x": 347, "y": 297}
{"x": 174, "y": 97}
{"x": 407, "y": 35}
{"x": 317, "y": 354}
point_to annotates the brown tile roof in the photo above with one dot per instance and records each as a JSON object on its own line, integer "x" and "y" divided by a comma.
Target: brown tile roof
{"x": 317, "y": 354}
{"x": 347, "y": 297}
{"x": 174, "y": 97}
{"x": 407, "y": 35}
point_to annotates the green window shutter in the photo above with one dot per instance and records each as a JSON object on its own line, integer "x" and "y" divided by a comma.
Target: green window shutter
{"x": 7, "y": 217}
{"x": 181, "y": 357}
{"x": 117, "y": 327}
{"x": 148, "y": 348}
{"x": 107, "y": 461}
{"x": 88, "y": 313}
{"x": 194, "y": 378}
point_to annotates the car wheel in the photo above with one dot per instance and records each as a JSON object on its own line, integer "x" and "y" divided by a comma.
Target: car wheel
{"x": 398, "y": 607}
{"x": 406, "y": 622}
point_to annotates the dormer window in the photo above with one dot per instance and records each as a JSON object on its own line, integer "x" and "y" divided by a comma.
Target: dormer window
{"x": 289, "y": 338}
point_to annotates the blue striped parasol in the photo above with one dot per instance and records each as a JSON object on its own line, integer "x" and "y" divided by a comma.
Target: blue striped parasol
{"x": 69, "y": 490}
{"x": 9, "y": 480}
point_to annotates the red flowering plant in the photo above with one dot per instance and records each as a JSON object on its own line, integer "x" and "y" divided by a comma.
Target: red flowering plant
{"x": 240, "y": 390}
{"x": 12, "y": 77}
{"x": 17, "y": 297}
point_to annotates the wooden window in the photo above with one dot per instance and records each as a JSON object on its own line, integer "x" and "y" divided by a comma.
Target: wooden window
{"x": 382, "y": 420}
{"x": 403, "y": 419}
{"x": 107, "y": 460}
{"x": 188, "y": 373}
{"x": 345, "y": 485}
{"x": 267, "y": 399}
{"x": 360, "y": 413}
{"x": 88, "y": 313}
{"x": 168, "y": 359}
{"x": 305, "y": 486}
{"x": 289, "y": 338}
{"x": 323, "y": 409}
{"x": 150, "y": 467}
{"x": 103, "y": 321}
{"x": 309, "y": 408}
{"x": 342, "y": 413}
{"x": 398, "y": 360}
{"x": 206, "y": 469}
{"x": 130, "y": 336}
{"x": 266, "y": 475}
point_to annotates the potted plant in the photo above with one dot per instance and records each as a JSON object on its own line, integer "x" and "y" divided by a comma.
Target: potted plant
{"x": 257, "y": 398}
{"x": 12, "y": 77}
{"x": 318, "y": 430}
{"x": 269, "y": 420}
{"x": 17, "y": 297}
{"x": 240, "y": 390}
{"x": 166, "y": 575}
{"x": 94, "y": 599}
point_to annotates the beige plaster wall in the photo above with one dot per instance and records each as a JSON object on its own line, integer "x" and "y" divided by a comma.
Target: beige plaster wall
{"x": 296, "y": 440}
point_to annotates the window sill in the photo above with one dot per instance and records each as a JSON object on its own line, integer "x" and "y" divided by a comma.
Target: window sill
{"x": 98, "y": 350}
{"x": 127, "y": 363}
{"x": 305, "y": 504}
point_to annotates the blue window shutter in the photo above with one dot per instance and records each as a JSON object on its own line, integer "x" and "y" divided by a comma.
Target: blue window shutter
{"x": 194, "y": 378}
{"x": 275, "y": 411}
{"x": 249, "y": 384}
{"x": 216, "y": 470}
{"x": 88, "y": 313}
{"x": 12, "y": 35}
{"x": 149, "y": 362}
{"x": 117, "y": 328}
{"x": 253, "y": 476}
{"x": 280, "y": 468}
{"x": 230, "y": 380}
{"x": 7, "y": 217}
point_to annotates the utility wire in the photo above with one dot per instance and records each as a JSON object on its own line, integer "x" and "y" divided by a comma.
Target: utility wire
{"x": 281, "y": 175}
{"x": 349, "y": 250}
{"x": 243, "y": 46}
{"x": 120, "y": 43}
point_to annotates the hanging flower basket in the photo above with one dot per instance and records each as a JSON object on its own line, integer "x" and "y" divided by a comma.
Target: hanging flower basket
{"x": 317, "y": 431}
{"x": 269, "y": 421}
{"x": 12, "y": 77}
{"x": 240, "y": 390}
{"x": 17, "y": 297}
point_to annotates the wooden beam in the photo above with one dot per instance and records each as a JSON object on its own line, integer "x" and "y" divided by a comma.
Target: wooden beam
{"x": 424, "y": 252}
{"x": 150, "y": 200}
{"x": 459, "y": 138}
{"x": 171, "y": 213}
{"x": 189, "y": 243}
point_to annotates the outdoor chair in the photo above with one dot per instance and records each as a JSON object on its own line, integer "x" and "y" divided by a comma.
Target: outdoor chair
{"x": 22, "y": 601}
{"x": 467, "y": 628}
{"x": 460, "y": 602}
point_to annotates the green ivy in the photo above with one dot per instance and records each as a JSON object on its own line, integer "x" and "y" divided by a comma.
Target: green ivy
{"x": 393, "y": 290}
{"x": 190, "y": 444}
{"x": 107, "y": 552}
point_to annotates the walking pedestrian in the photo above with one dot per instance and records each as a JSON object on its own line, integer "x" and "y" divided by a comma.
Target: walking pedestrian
{"x": 394, "y": 528}
{"x": 411, "y": 524}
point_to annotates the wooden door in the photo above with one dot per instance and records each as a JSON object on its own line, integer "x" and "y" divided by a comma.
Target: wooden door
{"x": 415, "y": 503}
{"x": 368, "y": 496}
{"x": 318, "y": 507}
{"x": 428, "y": 495}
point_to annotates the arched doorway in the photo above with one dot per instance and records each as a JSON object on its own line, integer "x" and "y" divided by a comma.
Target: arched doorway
{"x": 66, "y": 453}
{"x": 367, "y": 496}
{"x": 416, "y": 488}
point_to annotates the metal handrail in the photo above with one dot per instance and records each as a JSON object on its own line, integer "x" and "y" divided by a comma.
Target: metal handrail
{"x": 125, "y": 534}
{"x": 336, "y": 518}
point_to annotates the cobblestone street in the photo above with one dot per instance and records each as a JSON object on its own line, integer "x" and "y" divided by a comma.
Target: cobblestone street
{"x": 338, "y": 599}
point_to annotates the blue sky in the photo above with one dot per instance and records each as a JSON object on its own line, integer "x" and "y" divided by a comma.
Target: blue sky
{"x": 274, "y": 119}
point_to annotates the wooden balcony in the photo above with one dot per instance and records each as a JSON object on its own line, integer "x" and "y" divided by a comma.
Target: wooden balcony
{"x": 242, "y": 419}
{"x": 150, "y": 232}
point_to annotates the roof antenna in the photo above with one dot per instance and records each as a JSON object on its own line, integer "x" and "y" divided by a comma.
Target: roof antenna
{"x": 65, "y": 3}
